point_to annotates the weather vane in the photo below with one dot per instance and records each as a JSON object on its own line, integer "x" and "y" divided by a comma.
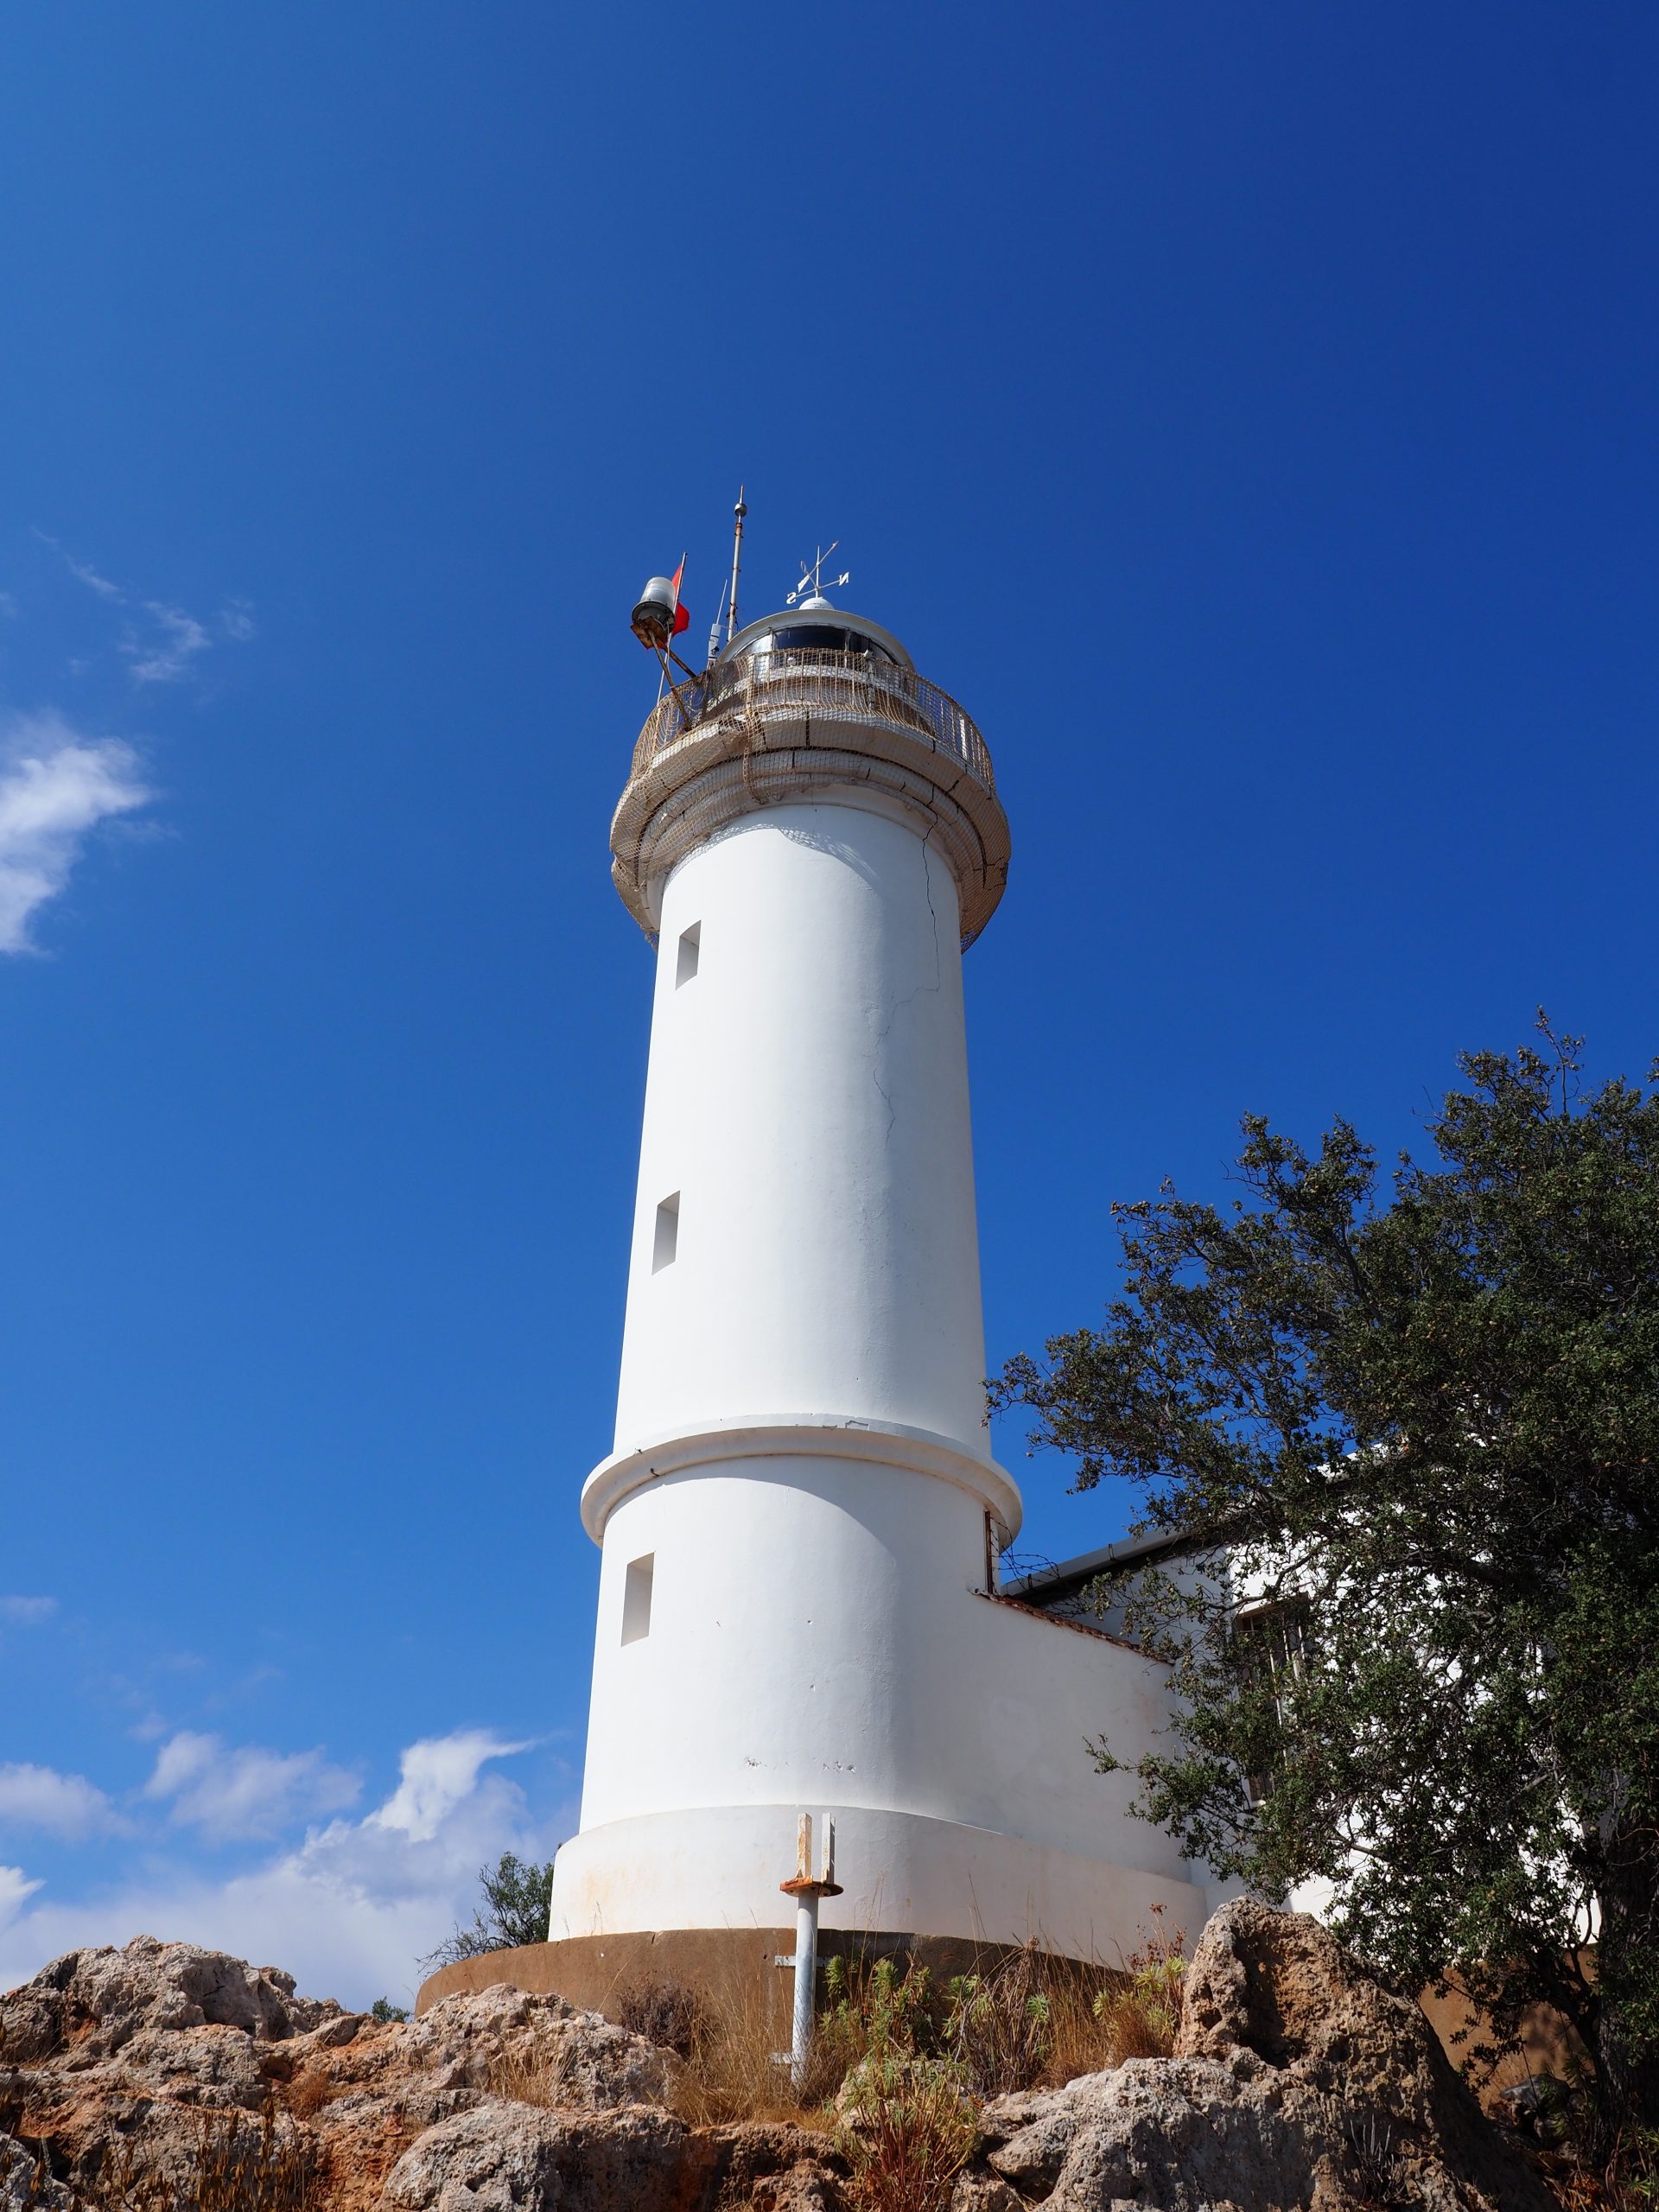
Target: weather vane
{"x": 811, "y": 583}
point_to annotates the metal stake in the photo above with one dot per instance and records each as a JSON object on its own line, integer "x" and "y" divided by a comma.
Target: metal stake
{"x": 806, "y": 1889}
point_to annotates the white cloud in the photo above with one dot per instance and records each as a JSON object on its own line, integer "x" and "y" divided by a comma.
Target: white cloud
{"x": 236, "y": 621}
{"x": 248, "y": 1791}
{"x": 26, "y": 1612}
{"x": 166, "y": 658}
{"x": 14, "y": 1886}
{"x": 55, "y": 787}
{"x": 434, "y": 1776}
{"x": 65, "y": 1805}
{"x": 350, "y": 1910}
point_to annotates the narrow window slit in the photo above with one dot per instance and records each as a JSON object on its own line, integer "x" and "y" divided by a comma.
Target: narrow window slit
{"x": 636, "y": 1598}
{"x": 668, "y": 1234}
{"x": 690, "y": 940}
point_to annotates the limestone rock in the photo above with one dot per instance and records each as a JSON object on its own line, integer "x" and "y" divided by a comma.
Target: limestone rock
{"x": 1187, "y": 2135}
{"x": 94, "y": 2002}
{"x": 24, "y": 2186}
{"x": 1300, "y": 2083}
{"x": 1279, "y": 1984}
{"x": 513, "y": 2157}
{"x": 135, "y": 2066}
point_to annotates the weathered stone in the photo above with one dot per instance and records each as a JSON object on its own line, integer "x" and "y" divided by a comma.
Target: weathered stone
{"x": 95, "y": 2001}
{"x": 1187, "y": 2135}
{"x": 25, "y": 2186}
{"x": 140, "y": 2064}
{"x": 983, "y": 2192}
{"x": 513, "y": 2157}
{"x": 1279, "y": 1984}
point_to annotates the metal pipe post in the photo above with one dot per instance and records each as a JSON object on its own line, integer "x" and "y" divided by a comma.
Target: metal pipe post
{"x": 806, "y": 1985}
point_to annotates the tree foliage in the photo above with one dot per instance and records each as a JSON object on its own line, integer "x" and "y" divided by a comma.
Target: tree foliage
{"x": 518, "y": 1895}
{"x": 1424, "y": 1421}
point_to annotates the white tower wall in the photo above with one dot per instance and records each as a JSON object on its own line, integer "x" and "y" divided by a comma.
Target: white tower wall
{"x": 807, "y": 1106}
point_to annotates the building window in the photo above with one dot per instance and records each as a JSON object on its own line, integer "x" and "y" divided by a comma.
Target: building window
{"x": 690, "y": 941}
{"x": 668, "y": 1235}
{"x": 1271, "y": 1645}
{"x": 636, "y": 1598}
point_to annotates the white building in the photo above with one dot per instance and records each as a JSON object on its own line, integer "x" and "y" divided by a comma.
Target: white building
{"x": 800, "y": 1518}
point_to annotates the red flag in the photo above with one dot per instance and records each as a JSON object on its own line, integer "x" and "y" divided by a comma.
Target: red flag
{"x": 682, "y": 614}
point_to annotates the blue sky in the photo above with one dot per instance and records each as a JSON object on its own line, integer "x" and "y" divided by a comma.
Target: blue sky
{"x": 1247, "y": 412}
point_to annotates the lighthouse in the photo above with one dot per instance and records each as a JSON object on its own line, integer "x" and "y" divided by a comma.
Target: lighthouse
{"x": 800, "y": 1521}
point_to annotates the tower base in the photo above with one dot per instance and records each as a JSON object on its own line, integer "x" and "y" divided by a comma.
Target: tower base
{"x": 733, "y": 1967}
{"x": 718, "y": 1866}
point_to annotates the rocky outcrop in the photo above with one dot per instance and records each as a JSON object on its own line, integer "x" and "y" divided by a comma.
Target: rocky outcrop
{"x": 1300, "y": 2084}
{"x": 125, "y": 2076}
{"x": 166, "y": 2078}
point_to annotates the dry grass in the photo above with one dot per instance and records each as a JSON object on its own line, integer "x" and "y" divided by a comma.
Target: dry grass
{"x": 1023, "y": 2019}
{"x": 729, "y": 2070}
{"x": 535, "y": 2071}
{"x": 236, "y": 2169}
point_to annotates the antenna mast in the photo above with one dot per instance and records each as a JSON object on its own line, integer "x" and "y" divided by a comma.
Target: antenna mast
{"x": 739, "y": 511}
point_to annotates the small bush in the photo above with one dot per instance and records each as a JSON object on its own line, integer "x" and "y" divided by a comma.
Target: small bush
{"x": 998, "y": 2025}
{"x": 382, "y": 2009}
{"x": 731, "y": 2072}
{"x": 908, "y": 2127}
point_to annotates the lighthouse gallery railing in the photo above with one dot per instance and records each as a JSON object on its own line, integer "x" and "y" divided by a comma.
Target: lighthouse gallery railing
{"x": 833, "y": 686}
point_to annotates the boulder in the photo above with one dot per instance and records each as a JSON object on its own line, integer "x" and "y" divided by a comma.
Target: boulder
{"x": 1279, "y": 1984}
{"x": 1300, "y": 2083}
{"x": 506, "y": 2157}
{"x": 164, "y": 2076}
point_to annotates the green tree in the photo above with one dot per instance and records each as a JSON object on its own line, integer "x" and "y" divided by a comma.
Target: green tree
{"x": 1422, "y": 1423}
{"x": 517, "y": 1897}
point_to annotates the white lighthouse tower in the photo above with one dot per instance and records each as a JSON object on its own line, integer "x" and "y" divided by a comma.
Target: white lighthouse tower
{"x": 801, "y": 1516}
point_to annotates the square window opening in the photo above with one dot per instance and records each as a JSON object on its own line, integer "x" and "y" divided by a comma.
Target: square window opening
{"x": 636, "y": 1598}
{"x": 690, "y": 943}
{"x": 668, "y": 1235}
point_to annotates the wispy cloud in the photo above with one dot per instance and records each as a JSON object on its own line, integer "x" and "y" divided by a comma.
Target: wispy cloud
{"x": 26, "y": 1612}
{"x": 167, "y": 658}
{"x": 161, "y": 643}
{"x": 232, "y": 1794}
{"x": 89, "y": 575}
{"x": 65, "y": 1805}
{"x": 56, "y": 786}
{"x": 349, "y": 1910}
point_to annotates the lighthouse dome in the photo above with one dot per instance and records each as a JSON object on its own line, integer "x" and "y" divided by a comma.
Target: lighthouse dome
{"x": 815, "y": 627}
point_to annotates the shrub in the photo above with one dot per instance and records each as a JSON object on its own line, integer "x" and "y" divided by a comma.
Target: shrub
{"x": 518, "y": 1896}
{"x": 908, "y": 2126}
{"x": 999, "y": 2025}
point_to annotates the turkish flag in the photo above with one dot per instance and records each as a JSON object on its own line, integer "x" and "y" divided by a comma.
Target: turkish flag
{"x": 682, "y": 614}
